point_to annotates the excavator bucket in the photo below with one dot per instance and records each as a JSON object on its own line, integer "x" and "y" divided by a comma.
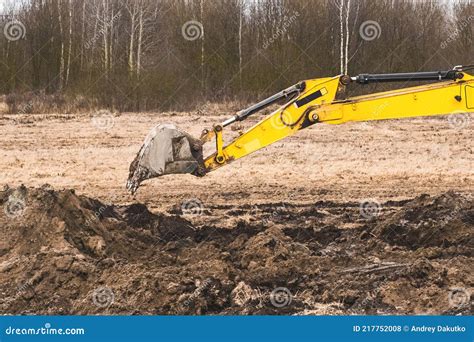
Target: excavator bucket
{"x": 166, "y": 150}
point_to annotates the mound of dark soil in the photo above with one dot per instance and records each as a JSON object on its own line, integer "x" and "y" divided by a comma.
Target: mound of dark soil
{"x": 442, "y": 221}
{"x": 36, "y": 220}
{"x": 62, "y": 253}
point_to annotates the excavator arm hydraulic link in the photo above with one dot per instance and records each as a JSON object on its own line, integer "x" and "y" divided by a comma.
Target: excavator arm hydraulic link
{"x": 317, "y": 104}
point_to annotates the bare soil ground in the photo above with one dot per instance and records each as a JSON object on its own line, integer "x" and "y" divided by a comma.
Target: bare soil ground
{"x": 359, "y": 218}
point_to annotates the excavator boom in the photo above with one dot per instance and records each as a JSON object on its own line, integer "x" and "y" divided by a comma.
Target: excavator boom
{"x": 168, "y": 150}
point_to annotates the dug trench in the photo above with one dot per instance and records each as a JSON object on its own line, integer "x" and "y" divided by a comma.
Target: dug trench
{"x": 63, "y": 253}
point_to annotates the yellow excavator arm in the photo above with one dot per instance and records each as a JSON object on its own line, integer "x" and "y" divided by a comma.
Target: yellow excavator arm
{"x": 168, "y": 150}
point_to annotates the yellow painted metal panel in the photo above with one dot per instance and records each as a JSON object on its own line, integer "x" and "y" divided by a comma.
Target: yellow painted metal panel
{"x": 469, "y": 94}
{"x": 432, "y": 99}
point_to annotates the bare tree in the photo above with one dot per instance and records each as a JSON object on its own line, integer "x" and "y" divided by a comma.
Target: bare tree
{"x": 241, "y": 9}
{"x": 61, "y": 57}
{"x": 203, "y": 84}
{"x": 69, "y": 49}
{"x": 341, "y": 37}
{"x": 346, "y": 52}
{"x": 132, "y": 8}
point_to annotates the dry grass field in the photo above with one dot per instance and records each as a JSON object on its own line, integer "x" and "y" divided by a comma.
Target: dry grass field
{"x": 358, "y": 218}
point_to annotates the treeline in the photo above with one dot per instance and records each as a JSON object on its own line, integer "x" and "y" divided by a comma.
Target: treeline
{"x": 161, "y": 54}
